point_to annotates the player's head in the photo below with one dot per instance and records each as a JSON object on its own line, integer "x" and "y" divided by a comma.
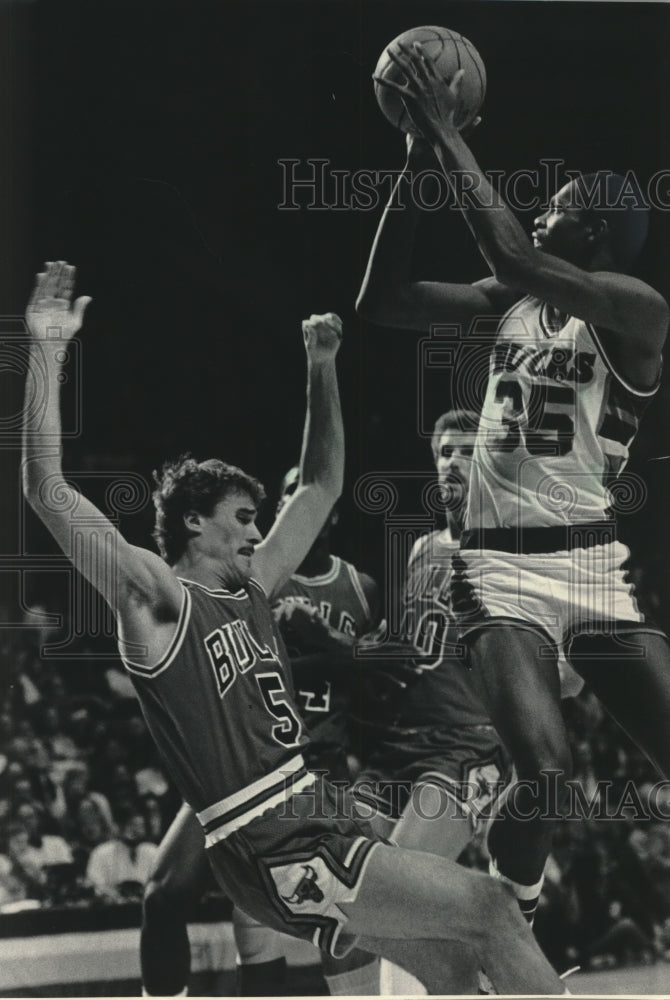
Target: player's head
{"x": 208, "y": 508}
{"x": 595, "y": 218}
{"x": 453, "y": 443}
{"x": 289, "y": 485}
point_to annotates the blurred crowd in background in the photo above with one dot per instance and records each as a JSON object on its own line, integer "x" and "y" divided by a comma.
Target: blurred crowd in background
{"x": 84, "y": 800}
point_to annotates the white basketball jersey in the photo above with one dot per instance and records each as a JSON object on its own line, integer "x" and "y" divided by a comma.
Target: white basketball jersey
{"x": 556, "y": 424}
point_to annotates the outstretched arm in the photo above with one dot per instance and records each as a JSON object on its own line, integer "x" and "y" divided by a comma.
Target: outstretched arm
{"x": 116, "y": 569}
{"x": 388, "y": 295}
{"x": 321, "y": 462}
{"x": 616, "y": 302}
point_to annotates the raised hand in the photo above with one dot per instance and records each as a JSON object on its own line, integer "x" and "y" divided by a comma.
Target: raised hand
{"x": 51, "y": 314}
{"x": 322, "y": 335}
{"x": 432, "y": 102}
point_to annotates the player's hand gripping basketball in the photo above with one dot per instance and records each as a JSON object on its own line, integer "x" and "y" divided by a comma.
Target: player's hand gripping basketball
{"x": 51, "y": 314}
{"x": 431, "y": 101}
{"x": 323, "y": 335}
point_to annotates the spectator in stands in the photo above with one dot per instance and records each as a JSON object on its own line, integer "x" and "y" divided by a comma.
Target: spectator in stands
{"x": 656, "y": 861}
{"x": 151, "y": 779}
{"x": 76, "y": 788}
{"x": 59, "y": 745}
{"x": 122, "y": 789}
{"x": 44, "y": 848}
{"x": 22, "y": 679}
{"x": 20, "y": 876}
{"x": 6, "y": 726}
{"x": 21, "y": 788}
{"x": 119, "y": 869}
{"x": 32, "y": 753}
{"x": 155, "y": 817}
{"x": 109, "y": 752}
{"x": 93, "y": 825}
{"x": 85, "y": 729}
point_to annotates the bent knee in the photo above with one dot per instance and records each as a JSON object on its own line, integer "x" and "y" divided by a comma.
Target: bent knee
{"x": 488, "y": 906}
{"x": 548, "y": 758}
{"x": 500, "y": 911}
{"x": 255, "y": 943}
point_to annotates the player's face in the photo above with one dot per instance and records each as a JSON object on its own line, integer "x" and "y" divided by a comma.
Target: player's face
{"x": 229, "y": 535}
{"x": 561, "y": 230}
{"x": 454, "y": 460}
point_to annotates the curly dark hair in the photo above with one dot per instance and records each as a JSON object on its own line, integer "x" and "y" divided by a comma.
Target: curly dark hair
{"x": 186, "y": 484}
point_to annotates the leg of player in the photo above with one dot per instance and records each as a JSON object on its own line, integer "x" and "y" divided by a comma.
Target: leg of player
{"x": 435, "y": 823}
{"x": 521, "y": 690}
{"x": 448, "y": 902}
{"x": 261, "y": 969}
{"x": 357, "y": 974}
{"x": 635, "y": 689}
{"x": 261, "y": 965}
{"x": 180, "y": 876}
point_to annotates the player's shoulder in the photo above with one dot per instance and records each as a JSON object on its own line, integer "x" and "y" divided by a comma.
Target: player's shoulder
{"x": 438, "y": 541}
{"x": 256, "y": 591}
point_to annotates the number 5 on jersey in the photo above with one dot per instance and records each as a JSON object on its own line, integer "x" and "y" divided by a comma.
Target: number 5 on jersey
{"x": 276, "y": 701}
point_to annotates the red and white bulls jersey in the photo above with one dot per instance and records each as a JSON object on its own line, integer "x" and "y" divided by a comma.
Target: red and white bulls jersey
{"x": 444, "y": 695}
{"x": 220, "y": 709}
{"x": 556, "y": 424}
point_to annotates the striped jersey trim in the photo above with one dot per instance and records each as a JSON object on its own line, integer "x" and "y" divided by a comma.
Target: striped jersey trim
{"x": 173, "y": 648}
{"x": 358, "y": 588}
{"x": 642, "y": 393}
{"x": 319, "y": 581}
{"x": 327, "y": 938}
{"x": 238, "y": 595}
{"x": 236, "y": 810}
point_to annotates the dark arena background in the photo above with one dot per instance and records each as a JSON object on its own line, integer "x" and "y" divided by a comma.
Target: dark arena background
{"x": 154, "y": 145}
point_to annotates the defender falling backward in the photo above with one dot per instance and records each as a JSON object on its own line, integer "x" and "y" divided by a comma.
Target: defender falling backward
{"x": 212, "y": 680}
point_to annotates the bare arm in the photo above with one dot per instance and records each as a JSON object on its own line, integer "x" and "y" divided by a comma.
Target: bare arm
{"x": 321, "y": 462}
{"x": 371, "y": 591}
{"x": 388, "y": 296}
{"x": 122, "y": 573}
{"x": 616, "y": 302}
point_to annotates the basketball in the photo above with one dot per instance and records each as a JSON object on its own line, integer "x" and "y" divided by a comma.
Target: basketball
{"x": 449, "y": 52}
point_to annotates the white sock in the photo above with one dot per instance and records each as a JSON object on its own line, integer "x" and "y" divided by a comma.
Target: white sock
{"x": 182, "y": 993}
{"x": 362, "y": 982}
{"x": 397, "y": 982}
{"x": 527, "y": 895}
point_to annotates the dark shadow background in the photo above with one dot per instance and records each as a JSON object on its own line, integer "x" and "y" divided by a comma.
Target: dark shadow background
{"x": 141, "y": 141}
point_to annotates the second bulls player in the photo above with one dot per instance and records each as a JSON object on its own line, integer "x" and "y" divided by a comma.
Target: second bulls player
{"x": 202, "y": 648}
{"x": 325, "y": 606}
{"x": 438, "y": 766}
{"x": 576, "y": 359}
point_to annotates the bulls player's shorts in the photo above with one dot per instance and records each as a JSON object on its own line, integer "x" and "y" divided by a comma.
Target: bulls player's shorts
{"x": 580, "y": 589}
{"x": 468, "y": 763}
{"x": 293, "y": 866}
